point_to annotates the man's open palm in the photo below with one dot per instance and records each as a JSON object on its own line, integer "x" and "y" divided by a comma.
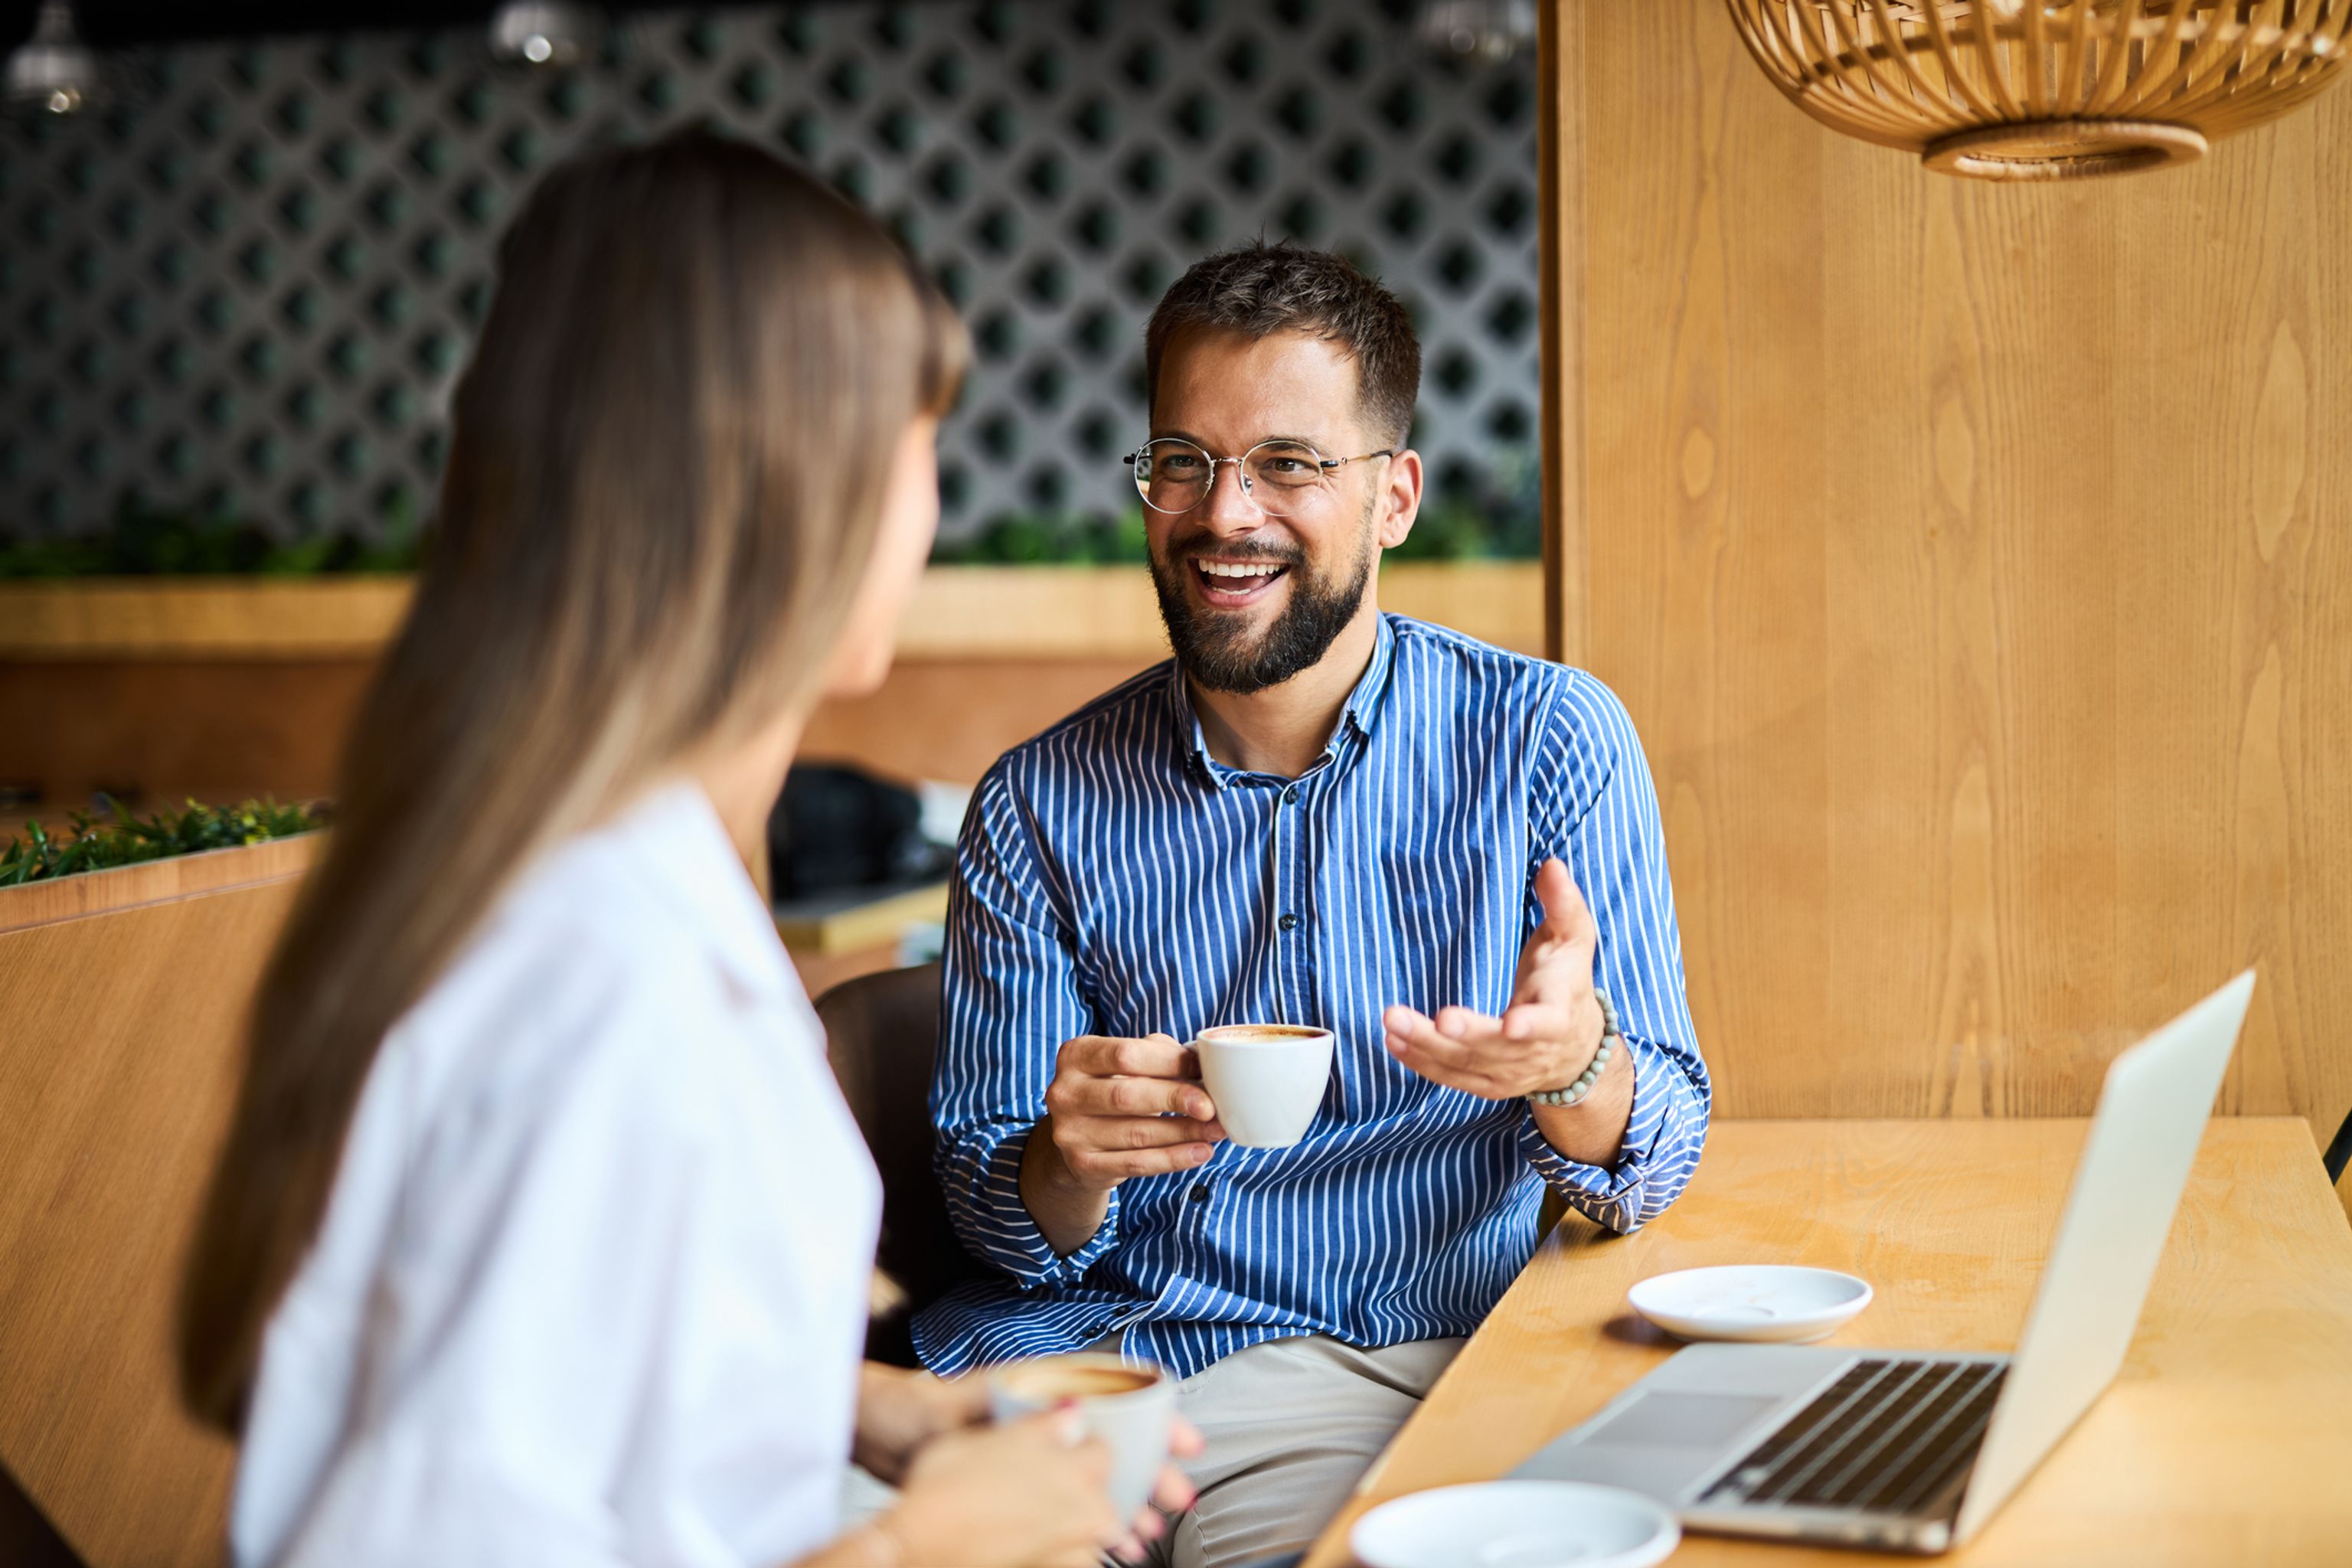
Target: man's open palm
{"x": 1548, "y": 1033}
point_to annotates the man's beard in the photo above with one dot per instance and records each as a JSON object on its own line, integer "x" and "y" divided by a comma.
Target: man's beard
{"x": 1214, "y": 649}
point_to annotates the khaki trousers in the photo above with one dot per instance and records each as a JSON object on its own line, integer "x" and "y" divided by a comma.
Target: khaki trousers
{"x": 1291, "y": 1426}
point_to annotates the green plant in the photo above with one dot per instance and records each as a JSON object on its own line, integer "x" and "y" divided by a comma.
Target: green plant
{"x": 150, "y": 540}
{"x": 123, "y": 839}
{"x": 1490, "y": 515}
{"x": 1034, "y": 539}
{"x": 1497, "y": 514}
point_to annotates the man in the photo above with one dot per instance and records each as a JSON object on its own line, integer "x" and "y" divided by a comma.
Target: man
{"x": 1315, "y": 815}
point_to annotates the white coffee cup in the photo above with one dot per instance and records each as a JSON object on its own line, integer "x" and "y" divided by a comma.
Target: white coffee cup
{"x": 1266, "y": 1079}
{"x": 1130, "y": 1405}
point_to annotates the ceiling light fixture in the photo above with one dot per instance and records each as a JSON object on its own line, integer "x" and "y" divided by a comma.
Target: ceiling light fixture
{"x": 545, "y": 34}
{"x": 2047, "y": 89}
{"x": 1492, "y": 30}
{"x": 52, "y": 72}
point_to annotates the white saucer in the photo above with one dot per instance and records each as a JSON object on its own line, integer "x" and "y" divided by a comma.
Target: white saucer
{"x": 1758, "y": 1303}
{"x": 1517, "y": 1524}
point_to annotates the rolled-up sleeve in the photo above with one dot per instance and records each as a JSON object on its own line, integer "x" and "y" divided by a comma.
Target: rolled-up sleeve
{"x": 1596, "y": 808}
{"x": 1011, "y": 998}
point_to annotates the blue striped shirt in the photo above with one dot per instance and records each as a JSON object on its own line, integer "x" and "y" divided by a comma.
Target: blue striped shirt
{"x": 1114, "y": 879}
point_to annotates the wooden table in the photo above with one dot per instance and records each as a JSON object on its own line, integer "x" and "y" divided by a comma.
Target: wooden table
{"x": 840, "y": 935}
{"x": 849, "y": 919}
{"x": 2225, "y": 1439}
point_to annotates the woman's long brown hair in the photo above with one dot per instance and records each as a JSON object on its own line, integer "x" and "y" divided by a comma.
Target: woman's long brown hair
{"x": 666, "y": 462}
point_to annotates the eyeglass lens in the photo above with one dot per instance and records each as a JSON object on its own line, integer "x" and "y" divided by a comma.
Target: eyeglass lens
{"x": 1175, "y": 476}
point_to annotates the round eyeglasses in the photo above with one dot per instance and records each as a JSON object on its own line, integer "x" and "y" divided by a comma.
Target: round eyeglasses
{"x": 1174, "y": 475}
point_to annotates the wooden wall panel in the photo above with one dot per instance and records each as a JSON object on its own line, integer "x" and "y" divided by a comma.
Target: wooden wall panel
{"x": 1560, "y": 155}
{"x": 214, "y": 688}
{"x": 948, "y": 721}
{"x": 225, "y": 731}
{"x": 217, "y": 729}
{"x": 1974, "y": 562}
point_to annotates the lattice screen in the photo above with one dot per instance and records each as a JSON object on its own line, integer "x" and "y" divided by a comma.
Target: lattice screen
{"x": 252, "y": 293}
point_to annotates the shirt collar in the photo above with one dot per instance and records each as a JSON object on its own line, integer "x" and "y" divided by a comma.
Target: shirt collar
{"x": 1362, "y": 713}
{"x": 674, "y": 841}
{"x": 1371, "y": 692}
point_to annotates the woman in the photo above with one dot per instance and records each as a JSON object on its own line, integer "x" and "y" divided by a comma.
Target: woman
{"x": 541, "y": 1234}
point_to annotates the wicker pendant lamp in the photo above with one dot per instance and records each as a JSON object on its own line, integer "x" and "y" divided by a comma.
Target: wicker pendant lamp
{"x": 2047, "y": 90}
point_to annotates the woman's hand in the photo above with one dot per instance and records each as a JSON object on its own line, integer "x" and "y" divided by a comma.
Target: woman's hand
{"x": 902, "y": 1415}
{"x": 1173, "y": 1493}
{"x": 1027, "y": 1495}
{"x": 899, "y": 1411}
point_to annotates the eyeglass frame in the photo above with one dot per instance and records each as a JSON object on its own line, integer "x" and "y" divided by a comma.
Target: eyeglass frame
{"x": 1249, "y": 487}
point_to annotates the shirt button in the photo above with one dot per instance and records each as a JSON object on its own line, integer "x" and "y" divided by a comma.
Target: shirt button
{"x": 1288, "y": 922}
{"x": 1201, "y": 1193}
{"x": 1290, "y": 796}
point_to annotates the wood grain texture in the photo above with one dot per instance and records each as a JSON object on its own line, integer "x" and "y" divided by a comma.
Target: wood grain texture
{"x": 818, "y": 928}
{"x": 957, "y": 612}
{"x": 158, "y": 731}
{"x": 201, "y": 617}
{"x": 1559, "y": 185}
{"x": 1975, "y": 563}
{"x": 120, "y": 1036}
{"x": 967, "y": 686}
{"x": 2219, "y": 1441}
{"x": 989, "y": 657}
{"x": 949, "y": 719}
{"x": 154, "y": 881}
{"x": 1109, "y": 612}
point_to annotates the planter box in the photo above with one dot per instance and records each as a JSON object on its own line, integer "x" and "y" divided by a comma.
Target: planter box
{"x": 200, "y": 618}
{"x": 155, "y": 882}
{"x": 959, "y": 612}
{"x": 1109, "y": 612}
{"x": 124, "y": 998}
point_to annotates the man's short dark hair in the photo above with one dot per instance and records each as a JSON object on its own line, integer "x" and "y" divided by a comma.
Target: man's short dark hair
{"x": 1260, "y": 290}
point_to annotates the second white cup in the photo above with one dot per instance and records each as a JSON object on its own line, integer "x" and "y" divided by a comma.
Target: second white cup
{"x": 1266, "y": 1079}
{"x": 1129, "y": 1405}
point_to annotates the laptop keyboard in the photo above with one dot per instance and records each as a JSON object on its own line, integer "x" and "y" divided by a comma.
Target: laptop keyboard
{"x": 1890, "y": 1436}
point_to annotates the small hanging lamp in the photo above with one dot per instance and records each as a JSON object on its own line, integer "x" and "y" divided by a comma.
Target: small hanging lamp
{"x": 51, "y": 72}
{"x": 1488, "y": 30}
{"x": 2047, "y": 89}
{"x": 545, "y": 34}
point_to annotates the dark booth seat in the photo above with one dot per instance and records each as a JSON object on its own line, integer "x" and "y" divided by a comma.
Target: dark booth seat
{"x": 882, "y": 1033}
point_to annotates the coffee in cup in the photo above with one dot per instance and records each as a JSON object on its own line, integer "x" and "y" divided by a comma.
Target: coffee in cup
{"x": 1128, "y": 1405}
{"x": 1046, "y": 1382}
{"x": 1266, "y": 1079}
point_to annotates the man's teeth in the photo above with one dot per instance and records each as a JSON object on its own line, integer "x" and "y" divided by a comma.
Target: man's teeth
{"x": 1257, "y": 569}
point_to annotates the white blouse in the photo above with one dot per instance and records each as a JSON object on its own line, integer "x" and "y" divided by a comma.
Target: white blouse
{"x": 593, "y": 1283}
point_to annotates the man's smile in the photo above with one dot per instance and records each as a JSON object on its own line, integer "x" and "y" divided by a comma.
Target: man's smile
{"x": 1230, "y": 585}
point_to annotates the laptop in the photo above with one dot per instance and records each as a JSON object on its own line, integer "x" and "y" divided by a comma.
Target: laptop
{"x": 1916, "y": 1450}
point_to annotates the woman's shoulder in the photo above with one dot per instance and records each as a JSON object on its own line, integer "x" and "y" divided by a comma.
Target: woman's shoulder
{"x": 604, "y": 961}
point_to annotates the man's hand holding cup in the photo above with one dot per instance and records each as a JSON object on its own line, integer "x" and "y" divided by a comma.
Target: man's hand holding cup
{"x": 1116, "y": 1107}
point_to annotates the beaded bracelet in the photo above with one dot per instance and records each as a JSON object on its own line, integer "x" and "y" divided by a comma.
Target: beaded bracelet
{"x": 1576, "y": 1091}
